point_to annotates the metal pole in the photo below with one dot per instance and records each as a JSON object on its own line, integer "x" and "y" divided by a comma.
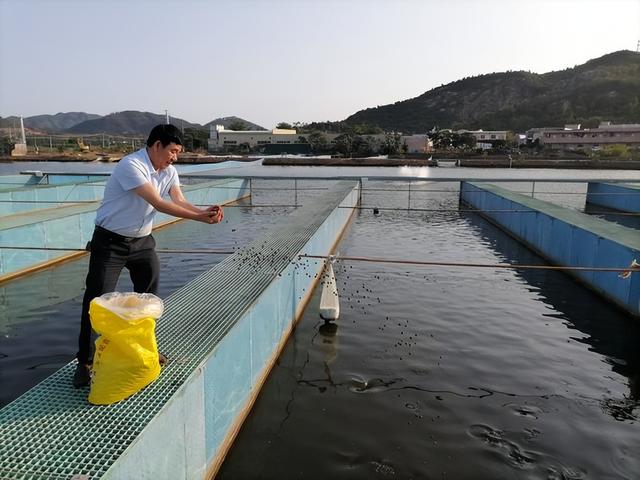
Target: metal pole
{"x": 409, "y": 199}
{"x": 533, "y": 188}
{"x": 24, "y": 138}
{"x": 295, "y": 187}
{"x": 250, "y": 191}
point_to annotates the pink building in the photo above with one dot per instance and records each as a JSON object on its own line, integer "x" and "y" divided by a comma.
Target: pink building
{"x": 572, "y": 136}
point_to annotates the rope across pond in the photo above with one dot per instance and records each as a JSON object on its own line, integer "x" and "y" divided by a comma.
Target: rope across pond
{"x": 624, "y": 271}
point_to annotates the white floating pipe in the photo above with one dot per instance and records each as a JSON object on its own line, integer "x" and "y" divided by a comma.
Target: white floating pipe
{"x": 329, "y": 301}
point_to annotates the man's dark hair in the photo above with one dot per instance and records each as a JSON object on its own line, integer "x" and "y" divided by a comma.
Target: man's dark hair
{"x": 166, "y": 133}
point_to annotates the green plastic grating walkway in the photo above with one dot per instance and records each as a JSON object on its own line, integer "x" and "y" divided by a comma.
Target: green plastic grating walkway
{"x": 51, "y": 432}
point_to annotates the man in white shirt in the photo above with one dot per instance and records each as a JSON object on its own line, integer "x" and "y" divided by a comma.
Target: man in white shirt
{"x": 122, "y": 236}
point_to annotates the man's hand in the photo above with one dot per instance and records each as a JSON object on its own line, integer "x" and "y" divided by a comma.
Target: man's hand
{"x": 210, "y": 215}
{"x": 216, "y": 214}
{"x": 179, "y": 207}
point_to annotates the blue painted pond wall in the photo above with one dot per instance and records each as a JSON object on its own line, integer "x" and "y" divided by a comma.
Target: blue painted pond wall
{"x": 623, "y": 197}
{"x": 71, "y": 226}
{"x": 12, "y": 181}
{"x": 34, "y": 197}
{"x": 565, "y": 237}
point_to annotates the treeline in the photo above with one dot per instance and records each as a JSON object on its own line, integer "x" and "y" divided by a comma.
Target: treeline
{"x": 347, "y": 144}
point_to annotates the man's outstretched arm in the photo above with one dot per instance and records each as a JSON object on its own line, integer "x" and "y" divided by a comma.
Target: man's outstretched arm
{"x": 150, "y": 194}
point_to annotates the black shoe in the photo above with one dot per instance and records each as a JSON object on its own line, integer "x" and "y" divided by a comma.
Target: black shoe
{"x": 82, "y": 376}
{"x": 162, "y": 360}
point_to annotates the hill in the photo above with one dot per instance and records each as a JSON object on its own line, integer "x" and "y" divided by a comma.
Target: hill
{"x": 48, "y": 123}
{"x": 10, "y": 122}
{"x": 606, "y": 88}
{"x": 59, "y": 121}
{"x": 129, "y": 122}
{"x": 228, "y": 121}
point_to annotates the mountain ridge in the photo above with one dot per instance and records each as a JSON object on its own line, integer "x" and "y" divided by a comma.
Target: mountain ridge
{"x": 47, "y": 123}
{"x": 605, "y": 88}
{"x": 127, "y": 122}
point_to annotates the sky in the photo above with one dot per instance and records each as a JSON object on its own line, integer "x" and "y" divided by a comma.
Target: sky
{"x": 271, "y": 61}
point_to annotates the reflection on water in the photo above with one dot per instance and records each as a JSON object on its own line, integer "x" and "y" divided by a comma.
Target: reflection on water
{"x": 608, "y": 331}
{"x": 415, "y": 172}
{"x": 329, "y": 344}
{"x": 631, "y": 220}
{"x": 46, "y": 289}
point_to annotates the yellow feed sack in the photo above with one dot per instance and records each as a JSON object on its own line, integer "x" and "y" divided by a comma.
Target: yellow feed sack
{"x": 126, "y": 358}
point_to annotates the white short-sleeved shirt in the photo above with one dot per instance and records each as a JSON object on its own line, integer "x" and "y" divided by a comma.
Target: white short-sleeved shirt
{"x": 122, "y": 210}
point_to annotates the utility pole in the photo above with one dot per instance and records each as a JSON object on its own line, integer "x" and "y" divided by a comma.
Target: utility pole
{"x": 24, "y": 140}
{"x": 166, "y": 112}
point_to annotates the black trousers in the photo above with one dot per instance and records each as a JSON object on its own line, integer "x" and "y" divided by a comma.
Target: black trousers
{"x": 110, "y": 253}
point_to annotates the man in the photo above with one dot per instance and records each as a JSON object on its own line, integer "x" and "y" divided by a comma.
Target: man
{"x": 122, "y": 236}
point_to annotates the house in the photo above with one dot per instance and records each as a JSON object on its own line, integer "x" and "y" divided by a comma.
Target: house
{"x": 487, "y": 136}
{"x": 574, "y": 137}
{"x": 221, "y": 138}
{"x": 485, "y": 139}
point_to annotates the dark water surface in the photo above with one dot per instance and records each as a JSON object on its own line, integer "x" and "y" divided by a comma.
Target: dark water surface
{"x": 429, "y": 373}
